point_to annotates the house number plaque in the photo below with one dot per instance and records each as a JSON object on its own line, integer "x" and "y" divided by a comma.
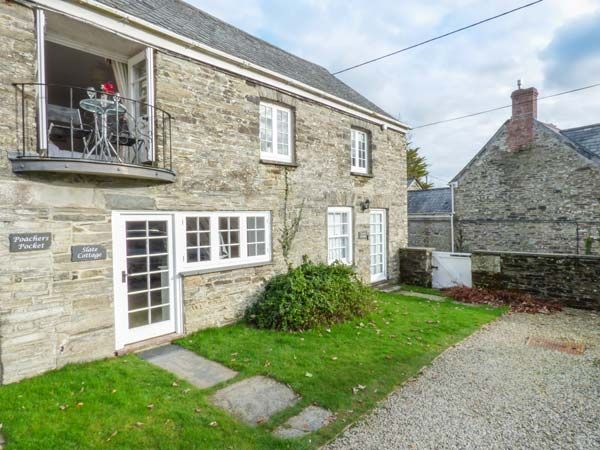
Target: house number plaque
{"x": 87, "y": 252}
{"x": 29, "y": 242}
{"x": 363, "y": 235}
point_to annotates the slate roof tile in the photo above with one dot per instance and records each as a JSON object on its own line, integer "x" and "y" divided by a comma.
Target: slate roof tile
{"x": 192, "y": 23}
{"x": 430, "y": 201}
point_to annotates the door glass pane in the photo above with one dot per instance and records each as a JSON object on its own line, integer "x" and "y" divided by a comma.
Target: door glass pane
{"x": 136, "y": 229}
{"x": 159, "y": 297}
{"x": 159, "y": 314}
{"x": 157, "y": 228}
{"x": 138, "y": 318}
{"x": 160, "y": 279}
{"x": 157, "y": 245}
{"x": 136, "y": 265}
{"x": 137, "y": 301}
{"x": 147, "y": 272}
{"x": 137, "y": 283}
{"x": 136, "y": 247}
{"x": 160, "y": 262}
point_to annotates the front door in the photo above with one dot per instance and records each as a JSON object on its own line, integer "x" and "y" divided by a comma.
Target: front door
{"x": 378, "y": 241}
{"x": 144, "y": 280}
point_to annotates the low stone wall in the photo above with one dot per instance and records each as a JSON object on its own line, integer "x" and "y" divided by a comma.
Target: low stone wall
{"x": 432, "y": 231}
{"x": 415, "y": 266}
{"x": 574, "y": 280}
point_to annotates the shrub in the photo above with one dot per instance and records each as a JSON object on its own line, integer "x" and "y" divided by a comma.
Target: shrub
{"x": 311, "y": 295}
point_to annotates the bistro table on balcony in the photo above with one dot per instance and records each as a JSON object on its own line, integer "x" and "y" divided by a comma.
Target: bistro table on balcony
{"x": 102, "y": 108}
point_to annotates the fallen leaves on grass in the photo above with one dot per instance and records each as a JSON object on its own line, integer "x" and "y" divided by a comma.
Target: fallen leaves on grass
{"x": 356, "y": 389}
{"x": 517, "y": 301}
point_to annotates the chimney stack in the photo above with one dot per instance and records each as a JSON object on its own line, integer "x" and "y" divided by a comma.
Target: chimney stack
{"x": 524, "y": 113}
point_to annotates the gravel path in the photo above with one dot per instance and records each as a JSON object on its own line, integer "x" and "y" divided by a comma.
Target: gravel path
{"x": 493, "y": 391}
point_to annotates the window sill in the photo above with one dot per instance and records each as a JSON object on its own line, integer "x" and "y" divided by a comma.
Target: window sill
{"x": 359, "y": 174}
{"x": 191, "y": 273}
{"x": 273, "y": 162}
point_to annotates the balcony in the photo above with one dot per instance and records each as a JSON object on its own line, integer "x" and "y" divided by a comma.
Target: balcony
{"x": 90, "y": 131}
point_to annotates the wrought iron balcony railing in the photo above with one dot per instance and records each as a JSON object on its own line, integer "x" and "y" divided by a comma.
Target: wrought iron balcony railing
{"x": 96, "y": 132}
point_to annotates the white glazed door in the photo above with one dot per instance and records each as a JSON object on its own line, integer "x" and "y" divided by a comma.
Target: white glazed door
{"x": 378, "y": 241}
{"x": 144, "y": 277}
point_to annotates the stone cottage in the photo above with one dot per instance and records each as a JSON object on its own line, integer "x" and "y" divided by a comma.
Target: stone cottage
{"x": 532, "y": 188}
{"x": 430, "y": 218}
{"x": 147, "y": 149}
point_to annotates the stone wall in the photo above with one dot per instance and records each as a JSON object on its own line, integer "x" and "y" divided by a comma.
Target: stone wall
{"x": 544, "y": 197}
{"x": 415, "y": 266}
{"x": 574, "y": 280}
{"x": 54, "y": 311}
{"x": 431, "y": 232}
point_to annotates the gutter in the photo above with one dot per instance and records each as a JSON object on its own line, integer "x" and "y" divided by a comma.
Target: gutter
{"x": 215, "y": 56}
{"x": 452, "y": 184}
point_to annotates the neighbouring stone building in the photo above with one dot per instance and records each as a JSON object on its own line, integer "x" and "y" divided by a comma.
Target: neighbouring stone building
{"x": 532, "y": 188}
{"x": 158, "y": 211}
{"x": 430, "y": 218}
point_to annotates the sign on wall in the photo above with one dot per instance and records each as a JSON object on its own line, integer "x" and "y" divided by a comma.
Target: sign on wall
{"x": 363, "y": 235}
{"x": 29, "y": 242}
{"x": 88, "y": 252}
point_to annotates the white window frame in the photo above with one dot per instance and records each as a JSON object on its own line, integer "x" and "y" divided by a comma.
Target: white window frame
{"x": 354, "y": 152}
{"x": 274, "y": 155}
{"x": 215, "y": 261}
{"x": 40, "y": 29}
{"x": 145, "y": 55}
{"x": 350, "y": 253}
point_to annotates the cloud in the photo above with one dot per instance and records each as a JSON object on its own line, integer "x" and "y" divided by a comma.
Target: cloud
{"x": 471, "y": 71}
{"x": 573, "y": 55}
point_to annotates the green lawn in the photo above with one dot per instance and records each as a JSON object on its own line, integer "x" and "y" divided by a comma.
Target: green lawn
{"x": 378, "y": 352}
{"x": 105, "y": 404}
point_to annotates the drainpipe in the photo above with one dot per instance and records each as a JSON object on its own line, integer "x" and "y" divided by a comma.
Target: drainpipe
{"x": 452, "y": 186}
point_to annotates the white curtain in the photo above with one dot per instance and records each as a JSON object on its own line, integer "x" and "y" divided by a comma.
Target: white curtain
{"x": 121, "y": 72}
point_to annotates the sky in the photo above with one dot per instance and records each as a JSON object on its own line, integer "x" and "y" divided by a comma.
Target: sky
{"x": 553, "y": 46}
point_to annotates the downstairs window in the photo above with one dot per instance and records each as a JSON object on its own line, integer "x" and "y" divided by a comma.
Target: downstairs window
{"x": 221, "y": 239}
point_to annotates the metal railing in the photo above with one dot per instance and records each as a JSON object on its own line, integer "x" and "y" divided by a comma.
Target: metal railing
{"x": 65, "y": 122}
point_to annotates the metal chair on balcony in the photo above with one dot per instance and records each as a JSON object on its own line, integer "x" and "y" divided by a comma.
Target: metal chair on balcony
{"x": 65, "y": 126}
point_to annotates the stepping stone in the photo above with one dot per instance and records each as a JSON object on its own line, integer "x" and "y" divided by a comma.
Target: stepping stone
{"x": 435, "y": 298}
{"x": 310, "y": 419}
{"x": 254, "y": 400}
{"x": 201, "y": 372}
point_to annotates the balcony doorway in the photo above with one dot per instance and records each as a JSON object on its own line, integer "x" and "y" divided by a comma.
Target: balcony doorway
{"x": 97, "y": 94}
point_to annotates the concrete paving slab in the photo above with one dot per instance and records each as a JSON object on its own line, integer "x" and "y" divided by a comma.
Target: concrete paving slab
{"x": 201, "y": 372}
{"x": 309, "y": 420}
{"x": 255, "y": 399}
{"x": 435, "y": 298}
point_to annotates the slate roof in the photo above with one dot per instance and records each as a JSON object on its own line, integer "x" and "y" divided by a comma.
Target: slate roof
{"x": 430, "y": 201}
{"x": 192, "y": 23}
{"x": 587, "y": 137}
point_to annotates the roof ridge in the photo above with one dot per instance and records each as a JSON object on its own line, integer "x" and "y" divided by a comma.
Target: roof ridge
{"x": 593, "y": 125}
{"x": 432, "y": 189}
{"x": 249, "y": 34}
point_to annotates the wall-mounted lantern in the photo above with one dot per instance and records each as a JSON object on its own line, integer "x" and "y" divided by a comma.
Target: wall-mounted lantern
{"x": 365, "y": 205}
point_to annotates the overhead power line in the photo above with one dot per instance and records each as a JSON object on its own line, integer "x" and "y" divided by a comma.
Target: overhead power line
{"x": 466, "y": 116}
{"x": 437, "y": 37}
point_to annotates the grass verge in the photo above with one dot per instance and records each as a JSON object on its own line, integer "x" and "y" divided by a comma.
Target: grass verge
{"x": 377, "y": 352}
{"x": 126, "y": 403}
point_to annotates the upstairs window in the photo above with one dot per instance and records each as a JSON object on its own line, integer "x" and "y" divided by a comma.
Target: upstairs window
{"x": 275, "y": 133}
{"x": 359, "y": 152}
{"x": 221, "y": 239}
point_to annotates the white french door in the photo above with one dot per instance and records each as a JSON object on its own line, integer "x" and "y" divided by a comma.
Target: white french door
{"x": 378, "y": 243}
{"x": 141, "y": 89}
{"x": 143, "y": 277}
